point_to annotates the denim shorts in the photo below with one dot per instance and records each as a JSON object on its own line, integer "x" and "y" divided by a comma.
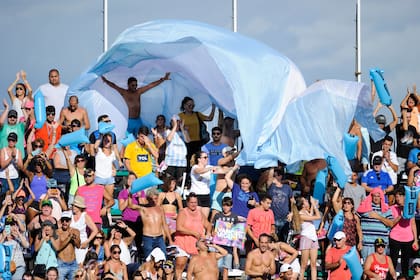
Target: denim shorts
{"x": 225, "y": 262}
{"x": 104, "y": 181}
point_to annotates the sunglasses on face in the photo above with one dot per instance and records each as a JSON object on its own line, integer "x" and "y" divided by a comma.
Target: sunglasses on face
{"x": 50, "y": 114}
{"x": 80, "y": 160}
{"x": 28, "y": 109}
{"x": 204, "y": 157}
{"x": 99, "y": 237}
{"x": 38, "y": 146}
{"x": 335, "y": 239}
{"x": 88, "y": 175}
{"x": 75, "y": 125}
{"x": 12, "y": 117}
{"x": 116, "y": 252}
{"x": 65, "y": 220}
{"x": 20, "y": 88}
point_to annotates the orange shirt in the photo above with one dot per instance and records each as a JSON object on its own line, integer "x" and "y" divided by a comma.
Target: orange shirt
{"x": 45, "y": 133}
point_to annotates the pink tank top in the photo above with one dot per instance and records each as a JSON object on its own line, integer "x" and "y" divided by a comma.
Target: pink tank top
{"x": 194, "y": 223}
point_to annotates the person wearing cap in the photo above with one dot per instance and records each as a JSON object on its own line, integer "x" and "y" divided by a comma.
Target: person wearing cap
{"x": 377, "y": 178}
{"x": 214, "y": 148}
{"x": 203, "y": 266}
{"x": 286, "y": 256}
{"x": 12, "y": 125}
{"x": 416, "y": 268}
{"x": 260, "y": 263}
{"x": 334, "y": 263}
{"x": 378, "y": 265}
{"x": 69, "y": 240}
{"x": 152, "y": 267}
{"x": 74, "y": 112}
{"x": 34, "y": 226}
{"x": 97, "y": 200}
{"x": 50, "y": 132}
{"x": 381, "y": 121}
{"x": 176, "y": 150}
{"x": 286, "y": 272}
{"x": 10, "y": 164}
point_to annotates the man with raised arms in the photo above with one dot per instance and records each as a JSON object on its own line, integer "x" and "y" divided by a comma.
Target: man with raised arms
{"x": 132, "y": 96}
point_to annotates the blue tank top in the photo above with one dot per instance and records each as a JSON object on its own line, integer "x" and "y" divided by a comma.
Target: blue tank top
{"x": 39, "y": 186}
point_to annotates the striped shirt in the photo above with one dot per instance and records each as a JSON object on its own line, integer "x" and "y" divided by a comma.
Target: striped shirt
{"x": 373, "y": 228}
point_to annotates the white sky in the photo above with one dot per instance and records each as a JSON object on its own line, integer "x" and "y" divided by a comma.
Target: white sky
{"x": 318, "y": 35}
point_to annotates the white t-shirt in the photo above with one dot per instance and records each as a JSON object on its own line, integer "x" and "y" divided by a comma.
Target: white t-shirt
{"x": 103, "y": 164}
{"x": 54, "y": 96}
{"x": 200, "y": 183}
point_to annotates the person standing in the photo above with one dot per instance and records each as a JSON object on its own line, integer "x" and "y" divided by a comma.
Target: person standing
{"x": 69, "y": 240}
{"x": 23, "y": 92}
{"x": 72, "y": 112}
{"x": 54, "y": 92}
{"x": 138, "y": 155}
{"x": 334, "y": 263}
{"x": 94, "y": 195}
{"x": 214, "y": 148}
{"x": 261, "y": 220}
{"x": 378, "y": 264}
{"x": 132, "y": 97}
{"x": 192, "y": 124}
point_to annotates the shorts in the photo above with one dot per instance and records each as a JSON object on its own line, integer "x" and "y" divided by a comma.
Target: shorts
{"x": 306, "y": 244}
{"x": 225, "y": 262}
{"x": 104, "y": 181}
{"x": 134, "y": 125}
{"x": 203, "y": 200}
{"x": 171, "y": 221}
{"x": 181, "y": 253}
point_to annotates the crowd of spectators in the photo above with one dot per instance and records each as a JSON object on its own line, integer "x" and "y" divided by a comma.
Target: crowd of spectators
{"x": 58, "y": 201}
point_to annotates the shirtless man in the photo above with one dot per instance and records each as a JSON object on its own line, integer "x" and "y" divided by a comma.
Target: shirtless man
{"x": 155, "y": 227}
{"x": 204, "y": 265}
{"x": 73, "y": 111}
{"x": 69, "y": 240}
{"x": 260, "y": 263}
{"x": 132, "y": 98}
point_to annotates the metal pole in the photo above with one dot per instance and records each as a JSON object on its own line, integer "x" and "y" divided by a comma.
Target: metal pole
{"x": 105, "y": 27}
{"x": 358, "y": 72}
{"x": 235, "y": 15}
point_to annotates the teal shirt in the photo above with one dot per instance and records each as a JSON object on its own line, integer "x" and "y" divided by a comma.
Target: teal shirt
{"x": 19, "y": 129}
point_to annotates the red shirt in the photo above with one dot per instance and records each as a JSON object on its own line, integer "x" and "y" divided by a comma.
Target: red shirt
{"x": 333, "y": 255}
{"x": 260, "y": 221}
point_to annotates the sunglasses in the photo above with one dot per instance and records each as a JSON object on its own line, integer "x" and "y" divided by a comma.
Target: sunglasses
{"x": 65, "y": 220}
{"x": 75, "y": 125}
{"x": 11, "y": 140}
{"x": 78, "y": 276}
{"x": 416, "y": 265}
{"x": 80, "y": 160}
{"x": 88, "y": 175}
{"x": 167, "y": 266}
{"x": 28, "y": 109}
{"x": 19, "y": 199}
{"x": 12, "y": 117}
{"x": 335, "y": 239}
{"x": 50, "y": 113}
{"x": 20, "y": 88}
{"x": 204, "y": 157}
{"x": 38, "y": 146}
{"x": 99, "y": 237}
{"x": 116, "y": 252}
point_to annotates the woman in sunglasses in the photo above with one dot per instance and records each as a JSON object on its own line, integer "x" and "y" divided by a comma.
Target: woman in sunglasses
{"x": 114, "y": 265}
{"x": 351, "y": 227}
{"x": 23, "y": 92}
{"x": 378, "y": 265}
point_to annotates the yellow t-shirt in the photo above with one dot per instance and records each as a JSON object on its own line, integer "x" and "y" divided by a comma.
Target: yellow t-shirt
{"x": 191, "y": 121}
{"x": 140, "y": 158}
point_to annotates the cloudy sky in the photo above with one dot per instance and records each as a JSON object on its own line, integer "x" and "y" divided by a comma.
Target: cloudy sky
{"x": 319, "y": 36}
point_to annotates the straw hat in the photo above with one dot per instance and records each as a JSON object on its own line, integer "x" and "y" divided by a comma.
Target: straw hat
{"x": 79, "y": 201}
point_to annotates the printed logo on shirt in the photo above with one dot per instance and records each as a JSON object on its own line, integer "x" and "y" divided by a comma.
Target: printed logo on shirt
{"x": 142, "y": 158}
